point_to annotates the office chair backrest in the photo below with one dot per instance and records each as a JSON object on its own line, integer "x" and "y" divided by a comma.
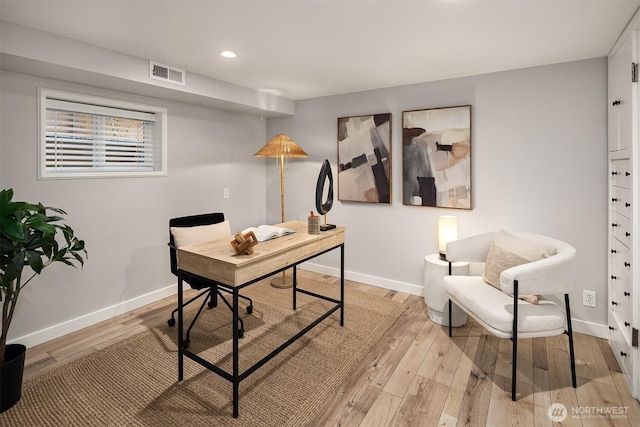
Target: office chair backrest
{"x": 189, "y": 221}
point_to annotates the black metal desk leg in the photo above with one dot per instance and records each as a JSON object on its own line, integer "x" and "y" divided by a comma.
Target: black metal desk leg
{"x": 180, "y": 320}
{"x": 342, "y": 285}
{"x": 295, "y": 285}
{"x": 236, "y": 371}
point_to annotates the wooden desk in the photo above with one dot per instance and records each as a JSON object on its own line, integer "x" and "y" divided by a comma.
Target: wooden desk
{"x": 217, "y": 262}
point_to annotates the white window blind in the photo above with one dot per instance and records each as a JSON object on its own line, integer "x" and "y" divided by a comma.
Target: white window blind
{"x": 92, "y": 137}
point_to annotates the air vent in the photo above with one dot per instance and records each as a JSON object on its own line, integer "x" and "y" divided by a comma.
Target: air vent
{"x": 166, "y": 73}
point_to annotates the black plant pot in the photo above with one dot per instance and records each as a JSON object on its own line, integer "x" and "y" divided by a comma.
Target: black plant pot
{"x": 11, "y": 375}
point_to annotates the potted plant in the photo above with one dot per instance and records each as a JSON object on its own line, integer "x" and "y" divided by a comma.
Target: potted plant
{"x": 28, "y": 237}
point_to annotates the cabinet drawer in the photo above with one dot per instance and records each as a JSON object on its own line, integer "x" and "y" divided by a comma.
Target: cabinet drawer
{"x": 621, "y": 201}
{"x": 620, "y": 277}
{"x": 621, "y": 228}
{"x": 621, "y": 173}
{"x": 620, "y": 346}
{"x": 620, "y": 256}
{"x": 623, "y": 306}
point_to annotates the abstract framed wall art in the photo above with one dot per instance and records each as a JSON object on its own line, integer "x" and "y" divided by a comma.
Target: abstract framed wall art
{"x": 436, "y": 157}
{"x": 364, "y": 158}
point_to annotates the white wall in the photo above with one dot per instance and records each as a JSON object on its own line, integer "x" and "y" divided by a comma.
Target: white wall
{"x": 538, "y": 164}
{"x": 125, "y": 221}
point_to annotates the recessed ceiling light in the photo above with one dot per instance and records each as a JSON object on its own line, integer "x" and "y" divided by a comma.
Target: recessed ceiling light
{"x": 227, "y": 54}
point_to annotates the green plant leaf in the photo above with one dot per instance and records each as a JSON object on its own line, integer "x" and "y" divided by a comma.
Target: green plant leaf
{"x": 78, "y": 257}
{"x": 5, "y": 198}
{"x": 13, "y": 267}
{"x": 77, "y": 245}
{"x": 18, "y": 260}
{"x": 56, "y": 210}
{"x": 38, "y": 242}
{"x": 6, "y": 245}
{"x": 44, "y": 227}
{"x": 11, "y": 228}
{"x": 67, "y": 232}
{"x": 35, "y": 261}
{"x": 10, "y": 275}
{"x": 36, "y": 219}
{"x": 59, "y": 255}
{"x": 9, "y": 208}
{"x": 49, "y": 249}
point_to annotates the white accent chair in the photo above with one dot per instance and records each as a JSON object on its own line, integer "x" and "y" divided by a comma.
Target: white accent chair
{"x": 501, "y": 311}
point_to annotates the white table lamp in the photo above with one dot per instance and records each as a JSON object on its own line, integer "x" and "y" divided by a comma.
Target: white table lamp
{"x": 447, "y": 231}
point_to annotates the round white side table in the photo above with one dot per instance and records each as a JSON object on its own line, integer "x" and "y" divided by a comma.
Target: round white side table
{"x": 437, "y": 302}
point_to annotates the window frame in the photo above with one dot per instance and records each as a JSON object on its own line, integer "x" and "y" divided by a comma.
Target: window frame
{"x": 160, "y": 135}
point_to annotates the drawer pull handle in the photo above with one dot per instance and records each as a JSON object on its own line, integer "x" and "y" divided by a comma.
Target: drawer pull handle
{"x": 627, "y": 234}
{"x": 613, "y": 224}
{"x": 614, "y": 173}
{"x": 627, "y": 324}
{"x": 627, "y": 173}
{"x": 611, "y": 328}
{"x": 613, "y": 199}
{"x": 627, "y": 294}
{"x": 626, "y": 205}
{"x": 616, "y": 102}
{"x": 626, "y": 264}
{"x": 623, "y": 354}
{"x": 614, "y": 303}
{"x": 613, "y": 277}
{"x": 613, "y": 251}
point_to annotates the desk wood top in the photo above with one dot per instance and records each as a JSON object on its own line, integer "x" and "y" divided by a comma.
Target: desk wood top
{"x": 216, "y": 260}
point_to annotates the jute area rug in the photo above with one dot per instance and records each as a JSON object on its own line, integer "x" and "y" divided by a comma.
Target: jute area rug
{"x": 134, "y": 382}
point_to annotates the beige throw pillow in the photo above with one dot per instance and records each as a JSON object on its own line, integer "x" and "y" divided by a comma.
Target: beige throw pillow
{"x": 509, "y": 251}
{"x": 184, "y": 236}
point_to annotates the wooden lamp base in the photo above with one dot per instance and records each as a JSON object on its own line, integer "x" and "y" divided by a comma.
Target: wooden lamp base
{"x": 282, "y": 281}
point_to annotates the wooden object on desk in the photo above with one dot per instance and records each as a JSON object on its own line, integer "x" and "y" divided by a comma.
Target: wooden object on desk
{"x": 314, "y": 224}
{"x": 244, "y": 243}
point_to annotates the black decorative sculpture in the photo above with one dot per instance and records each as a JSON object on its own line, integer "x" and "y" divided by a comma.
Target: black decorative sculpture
{"x": 324, "y": 208}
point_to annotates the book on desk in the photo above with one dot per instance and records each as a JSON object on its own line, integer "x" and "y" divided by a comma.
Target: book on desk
{"x": 268, "y": 232}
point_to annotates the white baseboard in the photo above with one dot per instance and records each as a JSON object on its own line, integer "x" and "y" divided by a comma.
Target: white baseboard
{"x": 89, "y": 319}
{"x": 56, "y": 331}
{"x": 380, "y": 282}
{"x": 590, "y": 328}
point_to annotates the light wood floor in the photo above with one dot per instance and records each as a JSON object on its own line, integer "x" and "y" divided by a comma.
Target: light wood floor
{"x": 418, "y": 376}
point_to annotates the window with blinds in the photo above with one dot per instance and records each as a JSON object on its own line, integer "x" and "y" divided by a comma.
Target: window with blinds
{"x": 84, "y": 136}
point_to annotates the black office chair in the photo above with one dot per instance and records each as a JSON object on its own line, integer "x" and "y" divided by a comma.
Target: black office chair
{"x": 207, "y": 287}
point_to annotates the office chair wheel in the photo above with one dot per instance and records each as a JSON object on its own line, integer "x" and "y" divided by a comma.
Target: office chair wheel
{"x": 211, "y": 304}
{"x": 249, "y": 309}
{"x": 185, "y": 343}
{"x": 241, "y": 333}
{"x": 171, "y": 322}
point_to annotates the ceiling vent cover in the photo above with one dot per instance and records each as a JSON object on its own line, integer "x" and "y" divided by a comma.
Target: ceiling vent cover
{"x": 166, "y": 73}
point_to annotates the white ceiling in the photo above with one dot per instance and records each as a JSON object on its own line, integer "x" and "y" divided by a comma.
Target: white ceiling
{"x": 303, "y": 49}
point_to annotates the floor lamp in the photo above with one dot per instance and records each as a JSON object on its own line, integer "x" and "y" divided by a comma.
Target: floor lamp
{"x": 281, "y": 146}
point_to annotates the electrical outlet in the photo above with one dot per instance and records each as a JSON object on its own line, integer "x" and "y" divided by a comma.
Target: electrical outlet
{"x": 226, "y": 193}
{"x": 589, "y": 298}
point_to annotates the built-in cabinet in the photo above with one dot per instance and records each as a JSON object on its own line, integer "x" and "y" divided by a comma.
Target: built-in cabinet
{"x": 624, "y": 288}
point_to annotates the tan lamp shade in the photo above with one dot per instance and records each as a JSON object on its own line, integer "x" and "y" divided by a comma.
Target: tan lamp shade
{"x": 281, "y": 145}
